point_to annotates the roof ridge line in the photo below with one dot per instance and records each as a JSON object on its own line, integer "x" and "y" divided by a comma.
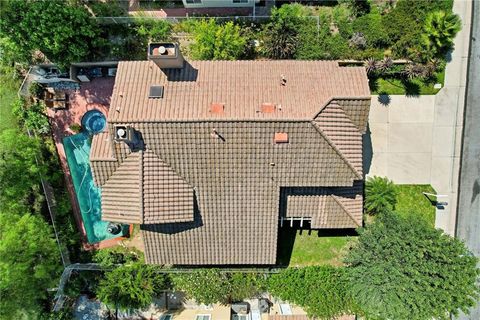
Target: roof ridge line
{"x": 335, "y": 198}
{"x": 332, "y": 98}
{"x": 140, "y": 186}
{"x": 334, "y": 147}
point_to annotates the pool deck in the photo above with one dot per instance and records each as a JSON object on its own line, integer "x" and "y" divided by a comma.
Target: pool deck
{"x": 93, "y": 95}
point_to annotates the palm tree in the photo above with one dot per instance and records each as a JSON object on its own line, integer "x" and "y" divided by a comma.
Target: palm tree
{"x": 414, "y": 70}
{"x": 385, "y": 64}
{"x": 440, "y": 30}
{"x": 380, "y": 195}
{"x": 371, "y": 66}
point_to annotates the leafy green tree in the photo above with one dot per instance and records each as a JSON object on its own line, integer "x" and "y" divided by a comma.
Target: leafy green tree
{"x": 439, "y": 32}
{"x": 63, "y": 31}
{"x": 131, "y": 286}
{"x": 29, "y": 264}
{"x": 217, "y": 42}
{"x": 32, "y": 116}
{"x": 19, "y": 171}
{"x": 154, "y": 30}
{"x": 213, "y": 286}
{"x": 380, "y": 195}
{"x": 321, "y": 290}
{"x": 282, "y": 34}
{"x": 404, "y": 269}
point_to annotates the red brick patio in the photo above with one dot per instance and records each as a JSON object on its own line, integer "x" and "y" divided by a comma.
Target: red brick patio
{"x": 93, "y": 95}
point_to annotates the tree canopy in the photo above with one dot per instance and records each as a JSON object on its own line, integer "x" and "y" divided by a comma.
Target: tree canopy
{"x": 404, "y": 269}
{"x": 217, "y": 41}
{"x": 440, "y": 30}
{"x": 19, "y": 171}
{"x": 211, "y": 286}
{"x": 29, "y": 264}
{"x": 61, "y": 30}
{"x": 321, "y": 290}
{"x": 131, "y": 286}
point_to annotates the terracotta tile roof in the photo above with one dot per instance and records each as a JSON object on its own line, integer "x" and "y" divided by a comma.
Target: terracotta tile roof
{"x": 166, "y": 196}
{"x": 241, "y": 85}
{"x": 122, "y": 193}
{"x": 212, "y": 182}
{"x": 343, "y": 133}
{"x": 329, "y": 208}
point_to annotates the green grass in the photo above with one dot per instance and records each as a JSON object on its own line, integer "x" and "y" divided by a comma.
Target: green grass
{"x": 395, "y": 86}
{"x": 8, "y": 94}
{"x": 411, "y": 202}
{"x": 311, "y": 247}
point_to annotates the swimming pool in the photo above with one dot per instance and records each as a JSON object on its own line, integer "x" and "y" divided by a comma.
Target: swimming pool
{"x": 77, "y": 150}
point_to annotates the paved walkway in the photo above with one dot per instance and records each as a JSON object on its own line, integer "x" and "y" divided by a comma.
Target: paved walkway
{"x": 449, "y": 108}
{"x": 416, "y": 140}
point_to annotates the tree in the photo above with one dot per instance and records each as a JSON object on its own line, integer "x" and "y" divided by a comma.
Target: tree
{"x": 213, "y": 286}
{"x": 217, "y": 42}
{"x": 404, "y": 269}
{"x": 131, "y": 286}
{"x": 29, "y": 264}
{"x": 281, "y": 35}
{"x": 19, "y": 171}
{"x": 321, "y": 290}
{"x": 32, "y": 116}
{"x": 380, "y": 195}
{"x": 439, "y": 32}
{"x": 61, "y": 30}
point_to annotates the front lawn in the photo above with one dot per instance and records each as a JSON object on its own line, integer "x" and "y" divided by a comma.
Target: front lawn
{"x": 8, "y": 94}
{"x": 311, "y": 247}
{"x": 411, "y": 202}
{"x": 396, "y": 86}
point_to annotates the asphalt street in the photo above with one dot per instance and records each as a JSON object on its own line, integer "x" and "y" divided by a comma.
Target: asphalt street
{"x": 468, "y": 213}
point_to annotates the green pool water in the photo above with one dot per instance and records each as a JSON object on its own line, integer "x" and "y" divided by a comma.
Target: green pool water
{"x": 77, "y": 150}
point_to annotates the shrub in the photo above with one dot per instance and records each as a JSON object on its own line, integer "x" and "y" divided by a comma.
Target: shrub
{"x": 131, "y": 286}
{"x": 36, "y": 90}
{"x": 372, "y": 28}
{"x": 440, "y": 30}
{"x": 110, "y": 257}
{"x": 212, "y": 286}
{"x": 405, "y": 269}
{"x": 320, "y": 290}
{"x": 32, "y": 116}
{"x": 380, "y": 195}
{"x": 75, "y": 127}
{"x": 152, "y": 30}
{"x": 217, "y": 42}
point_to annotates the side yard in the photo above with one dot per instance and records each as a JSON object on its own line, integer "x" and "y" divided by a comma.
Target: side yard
{"x": 298, "y": 248}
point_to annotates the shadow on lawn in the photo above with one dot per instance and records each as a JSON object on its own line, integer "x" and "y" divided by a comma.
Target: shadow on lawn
{"x": 287, "y": 235}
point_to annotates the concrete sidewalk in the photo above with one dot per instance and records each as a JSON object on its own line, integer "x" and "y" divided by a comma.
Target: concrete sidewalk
{"x": 416, "y": 140}
{"x": 448, "y": 123}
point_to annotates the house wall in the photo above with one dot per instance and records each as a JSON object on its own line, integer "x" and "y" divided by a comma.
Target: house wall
{"x": 219, "y": 4}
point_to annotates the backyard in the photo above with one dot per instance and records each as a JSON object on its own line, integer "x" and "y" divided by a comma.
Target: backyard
{"x": 327, "y": 247}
